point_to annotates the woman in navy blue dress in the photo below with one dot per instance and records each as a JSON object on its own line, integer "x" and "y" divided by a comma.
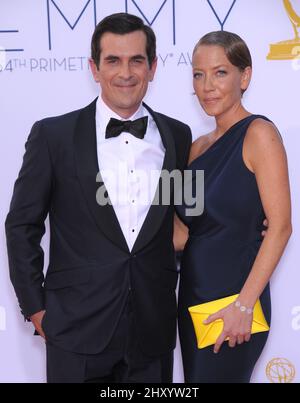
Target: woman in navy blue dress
{"x": 246, "y": 181}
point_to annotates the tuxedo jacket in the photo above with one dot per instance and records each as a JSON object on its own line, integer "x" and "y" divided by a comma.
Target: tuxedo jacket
{"x": 91, "y": 270}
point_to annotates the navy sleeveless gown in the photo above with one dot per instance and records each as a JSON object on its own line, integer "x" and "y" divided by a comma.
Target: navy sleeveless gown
{"x": 222, "y": 246}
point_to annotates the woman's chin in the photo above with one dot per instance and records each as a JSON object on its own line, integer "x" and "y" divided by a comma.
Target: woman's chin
{"x": 211, "y": 112}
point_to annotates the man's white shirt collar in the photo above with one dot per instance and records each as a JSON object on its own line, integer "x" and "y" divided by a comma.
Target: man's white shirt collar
{"x": 104, "y": 114}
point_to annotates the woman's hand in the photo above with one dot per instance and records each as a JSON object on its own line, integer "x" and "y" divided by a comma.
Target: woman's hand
{"x": 237, "y": 326}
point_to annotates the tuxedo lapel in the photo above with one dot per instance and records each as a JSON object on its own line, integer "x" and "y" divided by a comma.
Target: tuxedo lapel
{"x": 87, "y": 169}
{"x": 156, "y": 213}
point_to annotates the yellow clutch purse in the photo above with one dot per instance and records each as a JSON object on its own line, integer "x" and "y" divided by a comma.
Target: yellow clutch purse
{"x": 208, "y": 334}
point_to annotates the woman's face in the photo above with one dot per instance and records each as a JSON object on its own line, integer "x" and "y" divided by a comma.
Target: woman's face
{"x": 217, "y": 82}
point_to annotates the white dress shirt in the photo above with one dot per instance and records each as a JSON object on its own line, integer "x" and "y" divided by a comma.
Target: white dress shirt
{"x": 130, "y": 169}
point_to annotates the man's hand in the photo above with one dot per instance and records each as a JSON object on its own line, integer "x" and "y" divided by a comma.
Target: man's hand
{"x": 36, "y": 319}
{"x": 266, "y": 224}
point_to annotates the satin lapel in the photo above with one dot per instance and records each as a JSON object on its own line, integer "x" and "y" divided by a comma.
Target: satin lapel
{"x": 87, "y": 169}
{"x": 157, "y": 213}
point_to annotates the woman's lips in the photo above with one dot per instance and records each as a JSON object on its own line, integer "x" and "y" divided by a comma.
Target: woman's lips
{"x": 210, "y": 100}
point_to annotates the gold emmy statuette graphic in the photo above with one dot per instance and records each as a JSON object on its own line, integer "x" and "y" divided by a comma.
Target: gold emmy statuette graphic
{"x": 280, "y": 370}
{"x": 285, "y": 50}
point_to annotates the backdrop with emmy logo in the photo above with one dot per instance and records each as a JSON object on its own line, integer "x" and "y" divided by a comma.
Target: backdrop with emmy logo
{"x": 44, "y": 50}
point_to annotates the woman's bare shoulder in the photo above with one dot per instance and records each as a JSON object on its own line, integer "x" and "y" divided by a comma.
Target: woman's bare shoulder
{"x": 261, "y": 130}
{"x": 262, "y": 141}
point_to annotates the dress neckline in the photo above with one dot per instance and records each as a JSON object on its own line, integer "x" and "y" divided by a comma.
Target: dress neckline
{"x": 219, "y": 139}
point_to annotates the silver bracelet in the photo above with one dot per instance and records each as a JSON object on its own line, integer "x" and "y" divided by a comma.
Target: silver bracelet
{"x": 243, "y": 308}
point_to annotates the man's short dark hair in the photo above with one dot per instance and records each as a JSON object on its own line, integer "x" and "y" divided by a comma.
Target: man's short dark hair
{"x": 121, "y": 24}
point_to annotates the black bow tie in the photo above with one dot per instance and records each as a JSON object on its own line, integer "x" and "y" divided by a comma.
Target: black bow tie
{"x": 136, "y": 127}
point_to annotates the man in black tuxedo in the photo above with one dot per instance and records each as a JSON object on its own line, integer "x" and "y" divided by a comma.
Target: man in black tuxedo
{"x": 107, "y": 305}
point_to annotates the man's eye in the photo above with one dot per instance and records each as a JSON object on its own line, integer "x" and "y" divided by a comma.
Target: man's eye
{"x": 221, "y": 72}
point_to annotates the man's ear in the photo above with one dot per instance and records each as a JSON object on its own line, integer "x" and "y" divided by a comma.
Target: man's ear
{"x": 153, "y": 69}
{"x": 94, "y": 69}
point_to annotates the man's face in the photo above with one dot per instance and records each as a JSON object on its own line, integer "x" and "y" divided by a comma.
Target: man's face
{"x": 124, "y": 72}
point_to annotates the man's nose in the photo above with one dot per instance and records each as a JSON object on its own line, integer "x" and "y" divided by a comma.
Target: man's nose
{"x": 125, "y": 71}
